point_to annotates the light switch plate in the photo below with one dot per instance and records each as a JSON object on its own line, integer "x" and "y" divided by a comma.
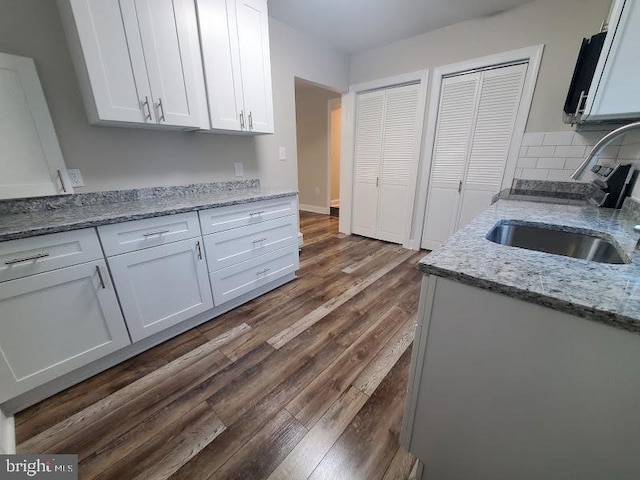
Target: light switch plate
{"x": 75, "y": 177}
{"x": 282, "y": 153}
{"x": 239, "y": 167}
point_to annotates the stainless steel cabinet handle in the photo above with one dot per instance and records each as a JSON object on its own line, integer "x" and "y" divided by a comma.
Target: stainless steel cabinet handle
{"x": 250, "y": 120}
{"x": 199, "y": 250}
{"x": 255, "y": 214}
{"x": 242, "y": 120}
{"x": 161, "y": 110}
{"x": 377, "y": 181}
{"x": 64, "y": 189}
{"x": 104, "y": 287}
{"x": 26, "y": 259}
{"x": 146, "y": 103}
{"x": 155, "y": 234}
{"x": 460, "y": 186}
{"x": 262, "y": 272}
{"x": 258, "y": 240}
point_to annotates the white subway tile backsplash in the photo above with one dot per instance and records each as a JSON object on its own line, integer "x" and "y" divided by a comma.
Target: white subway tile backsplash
{"x": 558, "y": 138}
{"x": 559, "y": 175}
{"x": 550, "y": 162}
{"x": 565, "y": 151}
{"x": 527, "y": 162}
{"x": 534, "y": 173}
{"x": 572, "y": 163}
{"x": 538, "y": 152}
{"x": 523, "y": 151}
{"x": 532, "y": 139}
{"x": 631, "y": 151}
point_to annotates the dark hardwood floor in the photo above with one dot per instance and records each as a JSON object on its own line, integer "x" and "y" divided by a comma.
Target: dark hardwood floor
{"x": 307, "y": 381}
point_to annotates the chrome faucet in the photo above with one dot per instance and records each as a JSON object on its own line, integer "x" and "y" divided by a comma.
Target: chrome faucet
{"x": 600, "y": 146}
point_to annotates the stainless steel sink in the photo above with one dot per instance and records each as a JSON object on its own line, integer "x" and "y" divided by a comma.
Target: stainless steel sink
{"x": 550, "y": 239}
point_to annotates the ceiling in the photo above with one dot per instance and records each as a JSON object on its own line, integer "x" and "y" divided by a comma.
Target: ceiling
{"x": 356, "y": 25}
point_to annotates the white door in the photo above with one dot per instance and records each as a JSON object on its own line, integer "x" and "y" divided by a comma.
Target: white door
{"x": 112, "y": 58}
{"x": 221, "y": 62}
{"x": 30, "y": 158}
{"x": 169, "y": 33}
{"x": 386, "y": 147}
{"x": 255, "y": 64}
{"x": 476, "y": 118}
{"x": 368, "y": 153}
{"x": 161, "y": 286}
{"x": 55, "y": 322}
{"x": 399, "y": 149}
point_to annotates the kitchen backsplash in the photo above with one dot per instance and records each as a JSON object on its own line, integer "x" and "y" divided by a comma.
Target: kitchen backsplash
{"x": 555, "y": 155}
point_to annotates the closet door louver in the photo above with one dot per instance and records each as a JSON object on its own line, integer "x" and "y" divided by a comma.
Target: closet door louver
{"x": 368, "y": 152}
{"x": 495, "y": 119}
{"x": 458, "y": 99}
{"x": 398, "y": 149}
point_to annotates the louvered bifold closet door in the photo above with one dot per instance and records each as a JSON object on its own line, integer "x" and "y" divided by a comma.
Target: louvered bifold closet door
{"x": 500, "y": 95}
{"x": 458, "y": 101}
{"x": 398, "y": 152}
{"x": 368, "y": 153}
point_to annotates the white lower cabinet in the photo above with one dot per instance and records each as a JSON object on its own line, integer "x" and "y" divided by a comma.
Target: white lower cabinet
{"x": 55, "y": 322}
{"x": 161, "y": 286}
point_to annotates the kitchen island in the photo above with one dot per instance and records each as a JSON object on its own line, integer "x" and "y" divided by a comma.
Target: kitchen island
{"x": 525, "y": 363}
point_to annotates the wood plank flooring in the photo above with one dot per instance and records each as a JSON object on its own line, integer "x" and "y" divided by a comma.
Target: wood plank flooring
{"x": 306, "y": 382}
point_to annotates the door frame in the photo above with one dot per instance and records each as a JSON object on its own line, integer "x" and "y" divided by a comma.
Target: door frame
{"x": 330, "y": 106}
{"x": 347, "y": 150}
{"x": 533, "y": 56}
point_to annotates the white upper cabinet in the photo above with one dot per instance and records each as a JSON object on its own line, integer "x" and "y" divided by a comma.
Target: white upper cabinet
{"x": 615, "y": 91}
{"x": 235, "y": 50}
{"x": 31, "y": 161}
{"x": 138, "y": 61}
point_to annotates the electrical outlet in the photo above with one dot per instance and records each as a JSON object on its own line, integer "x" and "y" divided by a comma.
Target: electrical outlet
{"x": 75, "y": 177}
{"x": 282, "y": 153}
{"x": 239, "y": 167}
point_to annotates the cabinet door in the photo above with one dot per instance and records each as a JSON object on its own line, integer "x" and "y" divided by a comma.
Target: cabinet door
{"x": 221, "y": 62}
{"x": 30, "y": 161}
{"x": 255, "y": 64}
{"x": 614, "y": 94}
{"x": 161, "y": 286}
{"x": 107, "y": 52}
{"x": 55, "y": 322}
{"x": 169, "y": 32}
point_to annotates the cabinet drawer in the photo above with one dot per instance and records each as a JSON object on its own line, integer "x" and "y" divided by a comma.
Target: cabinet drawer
{"x": 55, "y": 322}
{"x": 28, "y": 256}
{"x": 234, "y": 281}
{"x": 239, "y": 244}
{"x": 233, "y": 216}
{"x": 150, "y": 232}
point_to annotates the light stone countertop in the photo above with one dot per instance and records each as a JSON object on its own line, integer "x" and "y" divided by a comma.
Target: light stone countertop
{"x": 600, "y": 292}
{"x": 52, "y": 220}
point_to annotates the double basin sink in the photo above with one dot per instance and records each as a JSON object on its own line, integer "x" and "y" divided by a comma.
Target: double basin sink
{"x": 557, "y": 240}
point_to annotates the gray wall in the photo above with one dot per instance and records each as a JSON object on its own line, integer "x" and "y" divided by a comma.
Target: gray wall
{"x": 559, "y": 24}
{"x": 112, "y": 158}
{"x": 312, "y": 122}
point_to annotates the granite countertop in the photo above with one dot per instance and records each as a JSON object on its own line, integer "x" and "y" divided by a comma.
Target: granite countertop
{"x": 52, "y": 219}
{"x": 601, "y": 292}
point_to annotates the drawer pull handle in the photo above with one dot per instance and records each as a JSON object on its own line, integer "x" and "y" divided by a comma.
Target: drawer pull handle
{"x": 155, "y": 234}
{"x": 199, "y": 250}
{"x": 255, "y": 214}
{"x": 258, "y": 240}
{"x": 262, "y": 272}
{"x": 104, "y": 287}
{"x": 26, "y": 259}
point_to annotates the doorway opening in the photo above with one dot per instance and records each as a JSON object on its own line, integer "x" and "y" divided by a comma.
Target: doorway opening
{"x": 318, "y": 126}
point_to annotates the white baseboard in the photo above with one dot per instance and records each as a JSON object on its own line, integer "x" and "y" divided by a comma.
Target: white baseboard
{"x": 7, "y": 435}
{"x": 300, "y": 240}
{"x": 314, "y": 209}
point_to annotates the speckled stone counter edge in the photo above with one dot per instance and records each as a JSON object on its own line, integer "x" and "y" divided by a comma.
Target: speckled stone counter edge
{"x": 54, "y": 202}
